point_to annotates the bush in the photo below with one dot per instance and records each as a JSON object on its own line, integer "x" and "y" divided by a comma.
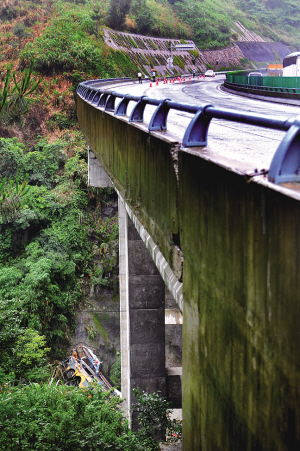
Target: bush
{"x": 65, "y": 46}
{"x": 51, "y": 417}
{"x": 153, "y": 412}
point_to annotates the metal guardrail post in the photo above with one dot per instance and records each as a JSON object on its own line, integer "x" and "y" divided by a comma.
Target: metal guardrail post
{"x": 96, "y": 98}
{"x": 103, "y": 99}
{"x": 285, "y": 165}
{"x": 197, "y": 130}
{"x": 110, "y": 103}
{"x": 121, "y": 109}
{"x": 159, "y": 118}
{"x": 137, "y": 114}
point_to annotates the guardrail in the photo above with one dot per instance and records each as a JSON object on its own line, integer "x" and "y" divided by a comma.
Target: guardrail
{"x": 264, "y": 81}
{"x": 264, "y": 88}
{"x": 285, "y": 165}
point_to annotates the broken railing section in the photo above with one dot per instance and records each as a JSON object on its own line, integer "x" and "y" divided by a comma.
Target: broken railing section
{"x": 285, "y": 165}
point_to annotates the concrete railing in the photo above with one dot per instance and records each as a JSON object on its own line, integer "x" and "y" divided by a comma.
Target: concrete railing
{"x": 285, "y": 165}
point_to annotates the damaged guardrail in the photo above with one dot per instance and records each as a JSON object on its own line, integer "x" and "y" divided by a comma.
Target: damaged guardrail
{"x": 285, "y": 165}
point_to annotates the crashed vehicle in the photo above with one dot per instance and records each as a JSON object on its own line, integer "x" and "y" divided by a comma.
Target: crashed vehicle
{"x": 83, "y": 368}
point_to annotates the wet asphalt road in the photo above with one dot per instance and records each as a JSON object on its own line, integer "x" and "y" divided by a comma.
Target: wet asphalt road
{"x": 246, "y": 147}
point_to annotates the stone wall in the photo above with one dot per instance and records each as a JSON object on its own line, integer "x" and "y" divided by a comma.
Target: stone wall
{"x": 225, "y": 58}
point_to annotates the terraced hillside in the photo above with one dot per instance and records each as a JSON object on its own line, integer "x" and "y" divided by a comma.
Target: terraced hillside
{"x": 148, "y": 53}
{"x": 248, "y": 52}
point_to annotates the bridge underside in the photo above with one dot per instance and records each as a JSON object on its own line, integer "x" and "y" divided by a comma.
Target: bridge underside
{"x": 239, "y": 242}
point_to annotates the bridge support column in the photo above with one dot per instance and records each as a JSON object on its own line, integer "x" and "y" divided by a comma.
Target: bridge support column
{"x": 142, "y": 298}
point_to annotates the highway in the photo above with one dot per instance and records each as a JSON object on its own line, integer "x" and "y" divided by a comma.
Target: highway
{"x": 242, "y": 146}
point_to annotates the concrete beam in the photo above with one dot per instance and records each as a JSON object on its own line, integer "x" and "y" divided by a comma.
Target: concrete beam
{"x": 96, "y": 174}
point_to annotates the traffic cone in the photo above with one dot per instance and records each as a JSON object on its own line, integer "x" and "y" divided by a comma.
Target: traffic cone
{"x": 157, "y": 82}
{"x": 150, "y": 84}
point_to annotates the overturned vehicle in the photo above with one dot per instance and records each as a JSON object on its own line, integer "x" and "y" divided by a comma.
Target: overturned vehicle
{"x": 82, "y": 368}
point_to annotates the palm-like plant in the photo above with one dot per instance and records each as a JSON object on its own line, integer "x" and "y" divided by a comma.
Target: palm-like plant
{"x": 10, "y": 197}
{"x": 6, "y": 91}
{"x": 14, "y": 102}
{"x": 19, "y": 104}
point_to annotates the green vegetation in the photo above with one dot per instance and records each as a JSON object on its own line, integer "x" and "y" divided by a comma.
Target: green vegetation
{"x": 45, "y": 259}
{"x": 277, "y": 19}
{"x": 153, "y": 412}
{"x": 66, "y": 46}
{"x": 45, "y": 247}
{"x": 14, "y": 101}
{"x": 115, "y": 373}
{"x": 50, "y": 417}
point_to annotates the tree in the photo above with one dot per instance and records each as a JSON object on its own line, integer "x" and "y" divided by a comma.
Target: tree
{"x": 50, "y": 418}
{"x": 30, "y": 356}
{"x": 6, "y": 91}
{"x": 14, "y": 101}
{"x": 23, "y": 352}
{"x": 144, "y": 19}
{"x": 153, "y": 413}
{"x": 19, "y": 104}
{"x": 117, "y": 13}
{"x": 11, "y": 315}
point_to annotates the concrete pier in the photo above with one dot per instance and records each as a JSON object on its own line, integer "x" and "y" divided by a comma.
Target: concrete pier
{"x": 142, "y": 316}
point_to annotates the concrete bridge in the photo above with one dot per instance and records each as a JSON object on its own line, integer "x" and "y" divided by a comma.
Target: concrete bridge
{"x": 226, "y": 245}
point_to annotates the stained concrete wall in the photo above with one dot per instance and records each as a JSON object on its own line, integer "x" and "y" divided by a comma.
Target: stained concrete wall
{"x": 241, "y": 317}
{"x": 240, "y": 244}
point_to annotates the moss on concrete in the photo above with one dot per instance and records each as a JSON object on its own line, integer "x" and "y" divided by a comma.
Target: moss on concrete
{"x": 99, "y": 327}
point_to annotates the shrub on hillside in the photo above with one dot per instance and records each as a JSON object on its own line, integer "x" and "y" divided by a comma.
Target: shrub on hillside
{"x": 65, "y": 47}
{"x": 51, "y": 417}
{"x": 45, "y": 248}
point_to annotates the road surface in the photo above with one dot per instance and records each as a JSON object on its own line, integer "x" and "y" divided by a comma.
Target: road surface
{"x": 245, "y": 146}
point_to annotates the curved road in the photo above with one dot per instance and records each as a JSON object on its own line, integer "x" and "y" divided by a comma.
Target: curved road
{"x": 239, "y": 145}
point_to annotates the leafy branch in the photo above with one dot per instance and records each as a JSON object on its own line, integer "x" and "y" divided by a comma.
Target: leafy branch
{"x": 13, "y": 100}
{"x": 10, "y": 197}
{"x": 27, "y": 84}
{"x": 6, "y": 89}
{"x": 153, "y": 413}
